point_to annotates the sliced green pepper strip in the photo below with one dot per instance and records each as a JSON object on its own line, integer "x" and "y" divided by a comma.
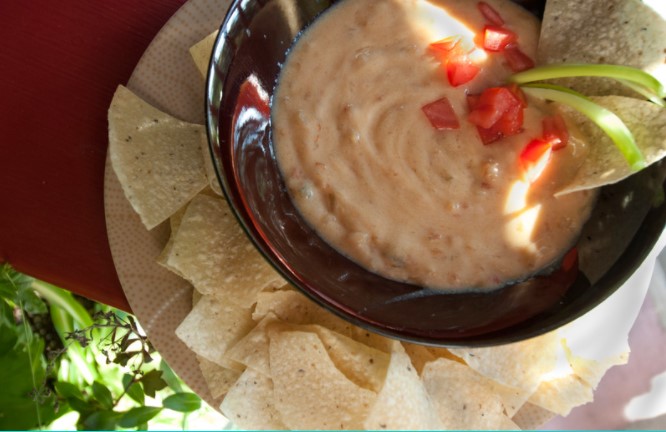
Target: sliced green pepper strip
{"x": 567, "y": 70}
{"x": 610, "y": 123}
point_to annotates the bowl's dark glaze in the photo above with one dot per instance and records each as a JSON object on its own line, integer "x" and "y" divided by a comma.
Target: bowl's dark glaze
{"x": 246, "y": 61}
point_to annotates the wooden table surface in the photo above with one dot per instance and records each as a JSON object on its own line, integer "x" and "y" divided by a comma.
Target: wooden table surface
{"x": 60, "y": 62}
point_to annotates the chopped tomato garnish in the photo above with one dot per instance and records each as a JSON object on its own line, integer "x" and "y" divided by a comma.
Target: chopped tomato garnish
{"x": 447, "y": 48}
{"x": 490, "y": 14}
{"x": 497, "y": 38}
{"x": 497, "y": 113}
{"x": 534, "y": 159}
{"x": 441, "y": 114}
{"x": 555, "y": 131}
{"x": 453, "y": 55}
{"x": 518, "y": 93}
{"x": 511, "y": 122}
{"x": 493, "y": 103}
{"x": 516, "y": 59}
{"x": 461, "y": 71}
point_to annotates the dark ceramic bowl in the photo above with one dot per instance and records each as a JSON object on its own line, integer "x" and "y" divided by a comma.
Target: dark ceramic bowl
{"x": 251, "y": 47}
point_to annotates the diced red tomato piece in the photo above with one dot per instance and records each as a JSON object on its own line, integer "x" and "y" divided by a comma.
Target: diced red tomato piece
{"x": 490, "y": 135}
{"x": 441, "y": 114}
{"x": 516, "y": 59}
{"x": 492, "y": 105}
{"x": 496, "y": 38}
{"x": 497, "y": 113}
{"x": 461, "y": 71}
{"x": 555, "y": 131}
{"x": 490, "y": 14}
{"x": 447, "y": 48}
{"x": 518, "y": 93}
{"x": 511, "y": 122}
{"x": 534, "y": 159}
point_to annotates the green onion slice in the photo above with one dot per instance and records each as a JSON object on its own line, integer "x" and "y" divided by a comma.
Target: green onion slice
{"x": 625, "y": 73}
{"x": 647, "y": 94}
{"x": 610, "y": 123}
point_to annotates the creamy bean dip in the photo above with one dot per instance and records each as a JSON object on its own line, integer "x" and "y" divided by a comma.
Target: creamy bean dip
{"x": 378, "y": 182}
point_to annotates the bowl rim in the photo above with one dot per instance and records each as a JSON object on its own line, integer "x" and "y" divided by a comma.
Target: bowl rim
{"x": 215, "y": 82}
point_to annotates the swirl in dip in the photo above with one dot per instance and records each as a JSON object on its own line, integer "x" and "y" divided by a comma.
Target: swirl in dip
{"x": 370, "y": 173}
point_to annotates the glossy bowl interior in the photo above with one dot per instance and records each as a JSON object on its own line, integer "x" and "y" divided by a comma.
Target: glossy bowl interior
{"x": 251, "y": 47}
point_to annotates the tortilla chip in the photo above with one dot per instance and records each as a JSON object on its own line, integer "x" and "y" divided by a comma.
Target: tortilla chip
{"x": 213, "y": 326}
{"x": 604, "y": 164}
{"x": 293, "y": 307}
{"x": 402, "y": 403}
{"x": 211, "y": 251}
{"x": 219, "y": 379}
{"x": 563, "y": 394}
{"x": 622, "y": 32}
{"x": 361, "y": 364}
{"x": 310, "y": 392}
{"x": 249, "y": 403}
{"x": 252, "y": 349}
{"x": 519, "y": 365}
{"x": 372, "y": 339}
{"x": 202, "y": 51}
{"x": 591, "y": 371}
{"x": 462, "y": 398}
{"x": 156, "y": 157}
{"x": 531, "y": 417}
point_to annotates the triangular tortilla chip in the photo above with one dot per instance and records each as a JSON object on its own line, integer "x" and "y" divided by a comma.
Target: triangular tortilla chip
{"x": 249, "y": 404}
{"x": 622, "y": 32}
{"x": 211, "y": 251}
{"x": 464, "y": 399}
{"x": 156, "y": 157}
{"x": 402, "y": 403}
{"x": 213, "y": 326}
{"x": 561, "y": 395}
{"x": 201, "y": 52}
{"x": 604, "y": 164}
{"x": 218, "y": 378}
{"x": 520, "y": 365}
{"x": 294, "y": 308}
{"x": 530, "y": 417}
{"x": 310, "y": 392}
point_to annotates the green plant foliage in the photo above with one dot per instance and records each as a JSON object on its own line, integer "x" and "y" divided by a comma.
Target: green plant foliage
{"x": 107, "y": 394}
{"x": 182, "y": 402}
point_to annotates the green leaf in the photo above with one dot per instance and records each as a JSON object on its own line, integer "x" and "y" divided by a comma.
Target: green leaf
{"x": 8, "y": 329}
{"x": 67, "y": 390}
{"x": 182, "y": 402}
{"x": 82, "y": 406}
{"x": 610, "y": 123}
{"x": 134, "y": 390}
{"x": 103, "y": 395}
{"x": 22, "y": 374}
{"x": 137, "y": 416}
{"x": 101, "y": 420}
{"x": 152, "y": 382}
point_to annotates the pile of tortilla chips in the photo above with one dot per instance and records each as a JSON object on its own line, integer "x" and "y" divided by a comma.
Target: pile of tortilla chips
{"x": 283, "y": 362}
